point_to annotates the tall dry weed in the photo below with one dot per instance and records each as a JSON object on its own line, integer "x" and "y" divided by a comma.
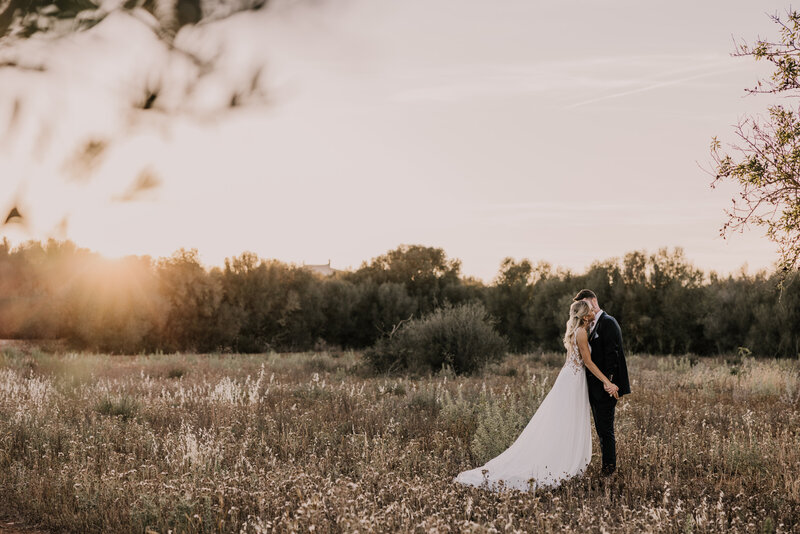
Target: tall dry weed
{"x": 310, "y": 442}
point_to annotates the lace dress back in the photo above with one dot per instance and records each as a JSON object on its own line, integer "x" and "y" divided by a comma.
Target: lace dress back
{"x": 574, "y": 358}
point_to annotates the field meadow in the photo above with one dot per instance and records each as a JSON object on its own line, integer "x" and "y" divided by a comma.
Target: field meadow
{"x": 314, "y": 442}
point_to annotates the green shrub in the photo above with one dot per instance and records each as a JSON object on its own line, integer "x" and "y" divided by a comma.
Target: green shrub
{"x": 458, "y": 414}
{"x": 461, "y": 338}
{"x": 124, "y": 407}
{"x": 176, "y": 372}
{"x": 500, "y": 422}
{"x": 424, "y": 401}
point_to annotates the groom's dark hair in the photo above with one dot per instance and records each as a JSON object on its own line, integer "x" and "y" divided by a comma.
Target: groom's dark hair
{"x": 585, "y": 294}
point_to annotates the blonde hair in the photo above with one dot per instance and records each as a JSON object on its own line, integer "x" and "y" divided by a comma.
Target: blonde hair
{"x": 576, "y": 312}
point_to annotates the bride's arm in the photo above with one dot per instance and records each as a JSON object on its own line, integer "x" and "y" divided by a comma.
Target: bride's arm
{"x": 583, "y": 346}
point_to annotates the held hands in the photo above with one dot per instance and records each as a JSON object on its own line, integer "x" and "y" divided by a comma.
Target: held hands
{"x": 611, "y": 389}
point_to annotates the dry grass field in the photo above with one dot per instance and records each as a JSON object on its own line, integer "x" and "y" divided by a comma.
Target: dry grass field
{"x": 313, "y": 442}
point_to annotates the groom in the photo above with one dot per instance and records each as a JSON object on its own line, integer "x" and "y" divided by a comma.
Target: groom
{"x": 605, "y": 339}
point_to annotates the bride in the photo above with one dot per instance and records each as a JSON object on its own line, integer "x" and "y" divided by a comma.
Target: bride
{"x": 557, "y": 442}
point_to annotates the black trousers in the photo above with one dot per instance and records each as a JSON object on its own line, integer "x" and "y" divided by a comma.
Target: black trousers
{"x": 603, "y": 413}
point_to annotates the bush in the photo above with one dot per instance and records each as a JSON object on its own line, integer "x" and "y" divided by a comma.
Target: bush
{"x": 495, "y": 420}
{"x": 500, "y": 422}
{"x": 459, "y": 337}
{"x": 124, "y": 407}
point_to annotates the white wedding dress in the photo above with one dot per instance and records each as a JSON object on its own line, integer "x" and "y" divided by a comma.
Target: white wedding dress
{"x": 555, "y": 445}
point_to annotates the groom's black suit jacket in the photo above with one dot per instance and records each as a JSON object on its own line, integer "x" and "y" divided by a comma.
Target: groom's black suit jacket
{"x": 606, "y": 342}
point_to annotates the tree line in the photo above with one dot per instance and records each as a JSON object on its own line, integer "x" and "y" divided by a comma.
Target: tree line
{"x": 664, "y": 304}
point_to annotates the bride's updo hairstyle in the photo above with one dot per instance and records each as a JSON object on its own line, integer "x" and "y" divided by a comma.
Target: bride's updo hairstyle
{"x": 577, "y": 310}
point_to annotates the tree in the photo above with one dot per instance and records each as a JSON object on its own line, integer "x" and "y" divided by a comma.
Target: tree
{"x": 509, "y": 302}
{"x": 193, "y": 299}
{"x": 766, "y": 161}
{"x": 426, "y": 272}
{"x": 179, "y": 66}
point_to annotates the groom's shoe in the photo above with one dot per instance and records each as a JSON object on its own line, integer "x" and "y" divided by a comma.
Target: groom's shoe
{"x": 608, "y": 469}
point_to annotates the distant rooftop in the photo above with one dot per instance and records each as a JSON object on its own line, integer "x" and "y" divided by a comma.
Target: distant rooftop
{"x": 324, "y": 269}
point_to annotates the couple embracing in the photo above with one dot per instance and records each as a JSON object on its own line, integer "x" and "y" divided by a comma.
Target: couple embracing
{"x": 557, "y": 442}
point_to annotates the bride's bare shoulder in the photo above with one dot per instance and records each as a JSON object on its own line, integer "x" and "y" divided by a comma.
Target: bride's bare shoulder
{"x": 582, "y": 334}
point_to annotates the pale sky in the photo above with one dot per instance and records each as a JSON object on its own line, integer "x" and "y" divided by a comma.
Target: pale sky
{"x": 559, "y": 131}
